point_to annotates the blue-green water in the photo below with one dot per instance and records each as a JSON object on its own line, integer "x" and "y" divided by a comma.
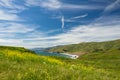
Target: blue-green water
{"x": 66, "y": 55}
{"x": 51, "y": 54}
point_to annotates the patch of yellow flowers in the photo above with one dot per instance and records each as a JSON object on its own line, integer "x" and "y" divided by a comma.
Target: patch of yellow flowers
{"x": 52, "y": 60}
{"x": 27, "y": 55}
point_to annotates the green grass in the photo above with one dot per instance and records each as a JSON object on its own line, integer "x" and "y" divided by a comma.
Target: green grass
{"x": 109, "y": 61}
{"x": 22, "y": 64}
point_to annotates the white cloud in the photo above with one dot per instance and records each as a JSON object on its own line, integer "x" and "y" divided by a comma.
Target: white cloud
{"x": 96, "y": 31}
{"x": 10, "y": 4}
{"x": 88, "y": 33}
{"x": 8, "y": 16}
{"x": 12, "y": 34}
{"x": 9, "y": 10}
{"x": 106, "y": 28}
{"x": 10, "y": 41}
{"x": 76, "y": 35}
{"x": 48, "y": 4}
{"x": 57, "y": 4}
{"x": 32, "y": 2}
{"x": 14, "y": 28}
{"x": 51, "y": 4}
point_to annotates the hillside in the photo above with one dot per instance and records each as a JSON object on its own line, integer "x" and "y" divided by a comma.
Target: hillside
{"x": 89, "y": 47}
{"x": 18, "y": 63}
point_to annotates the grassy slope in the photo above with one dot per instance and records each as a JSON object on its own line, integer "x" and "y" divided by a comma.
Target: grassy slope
{"x": 102, "y": 55}
{"x": 89, "y": 47}
{"x": 22, "y": 64}
{"x": 109, "y": 60}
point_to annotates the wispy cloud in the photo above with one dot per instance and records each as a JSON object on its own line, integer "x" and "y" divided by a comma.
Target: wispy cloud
{"x": 15, "y": 28}
{"x": 57, "y": 4}
{"x": 112, "y": 19}
{"x": 53, "y": 31}
{"x": 85, "y": 33}
{"x": 51, "y": 4}
{"x": 62, "y": 21}
{"x": 71, "y": 19}
{"x": 113, "y": 6}
{"x": 12, "y": 34}
{"x": 75, "y": 18}
{"x": 11, "y": 27}
{"x": 9, "y": 10}
{"x": 11, "y": 5}
{"x": 81, "y": 16}
{"x": 81, "y": 6}
{"x": 48, "y": 4}
{"x": 20, "y": 34}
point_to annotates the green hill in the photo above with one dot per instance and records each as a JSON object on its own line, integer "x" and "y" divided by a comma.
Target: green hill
{"x": 89, "y": 47}
{"x": 17, "y": 63}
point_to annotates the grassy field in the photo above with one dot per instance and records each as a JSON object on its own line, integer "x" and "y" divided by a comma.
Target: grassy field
{"x": 21, "y": 64}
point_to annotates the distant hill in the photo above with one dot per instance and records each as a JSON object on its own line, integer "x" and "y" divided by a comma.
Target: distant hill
{"x": 87, "y": 47}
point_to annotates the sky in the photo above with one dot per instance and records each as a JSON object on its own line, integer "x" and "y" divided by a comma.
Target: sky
{"x": 47, "y": 23}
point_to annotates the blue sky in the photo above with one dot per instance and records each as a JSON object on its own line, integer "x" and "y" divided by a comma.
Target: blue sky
{"x": 46, "y": 23}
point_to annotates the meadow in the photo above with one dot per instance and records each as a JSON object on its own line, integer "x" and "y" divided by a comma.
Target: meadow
{"x": 17, "y": 63}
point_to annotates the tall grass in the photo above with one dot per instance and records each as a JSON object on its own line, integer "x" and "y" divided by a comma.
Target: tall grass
{"x": 25, "y": 65}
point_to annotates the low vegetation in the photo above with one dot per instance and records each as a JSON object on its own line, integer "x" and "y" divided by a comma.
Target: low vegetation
{"x": 18, "y": 63}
